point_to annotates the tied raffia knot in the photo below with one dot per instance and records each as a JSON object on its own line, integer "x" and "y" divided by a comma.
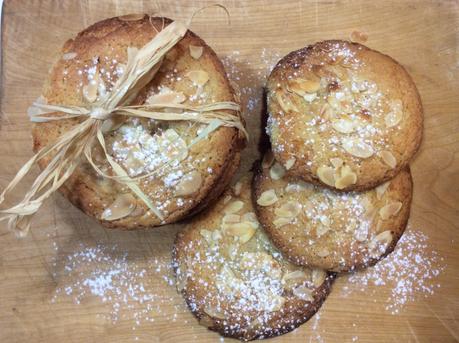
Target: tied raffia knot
{"x": 64, "y": 155}
{"x": 100, "y": 113}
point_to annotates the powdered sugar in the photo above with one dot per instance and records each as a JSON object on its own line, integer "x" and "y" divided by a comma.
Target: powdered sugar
{"x": 409, "y": 272}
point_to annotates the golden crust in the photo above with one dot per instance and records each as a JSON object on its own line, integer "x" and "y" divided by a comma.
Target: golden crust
{"x": 104, "y": 46}
{"x": 333, "y": 230}
{"x": 350, "y": 88}
{"x": 198, "y": 271}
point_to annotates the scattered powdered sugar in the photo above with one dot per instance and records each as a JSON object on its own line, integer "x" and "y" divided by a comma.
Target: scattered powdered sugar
{"x": 112, "y": 277}
{"x": 408, "y": 272}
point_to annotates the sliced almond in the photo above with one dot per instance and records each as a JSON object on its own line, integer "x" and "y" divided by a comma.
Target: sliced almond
{"x": 198, "y": 77}
{"x": 395, "y": 115}
{"x": 132, "y": 17}
{"x": 247, "y": 236}
{"x": 290, "y": 162}
{"x": 277, "y": 171}
{"x": 237, "y": 188}
{"x": 239, "y": 229}
{"x": 90, "y": 91}
{"x": 282, "y": 221}
{"x": 233, "y": 207}
{"x": 381, "y": 189}
{"x": 268, "y": 160}
{"x": 288, "y": 210}
{"x": 336, "y": 162}
{"x": 347, "y": 178}
{"x": 379, "y": 243}
{"x": 357, "y": 147}
{"x": 189, "y": 184}
{"x": 123, "y": 206}
{"x": 69, "y": 56}
{"x": 326, "y": 175}
{"x": 390, "y": 210}
{"x": 388, "y": 158}
{"x": 318, "y": 277}
{"x": 227, "y": 199}
{"x": 299, "y": 186}
{"x": 267, "y": 198}
{"x": 324, "y": 252}
{"x": 196, "y": 51}
{"x": 303, "y": 293}
{"x": 343, "y": 125}
{"x": 166, "y": 96}
{"x": 297, "y": 274}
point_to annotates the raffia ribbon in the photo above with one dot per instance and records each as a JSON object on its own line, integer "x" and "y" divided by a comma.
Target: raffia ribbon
{"x": 141, "y": 67}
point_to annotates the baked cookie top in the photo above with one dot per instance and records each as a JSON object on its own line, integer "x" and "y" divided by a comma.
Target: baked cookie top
{"x": 336, "y": 231}
{"x": 343, "y": 115}
{"x": 235, "y": 281}
{"x": 185, "y": 174}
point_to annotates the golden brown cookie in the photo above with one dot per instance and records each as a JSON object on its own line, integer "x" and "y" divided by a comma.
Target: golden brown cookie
{"x": 234, "y": 280}
{"x": 337, "y": 103}
{"x": 190, "y": 74}
{"x": 337, "y": 231}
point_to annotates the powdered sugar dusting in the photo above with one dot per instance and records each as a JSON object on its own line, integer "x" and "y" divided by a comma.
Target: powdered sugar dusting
{"x": 105, "y": 274}
{"x": 408, "y": 272}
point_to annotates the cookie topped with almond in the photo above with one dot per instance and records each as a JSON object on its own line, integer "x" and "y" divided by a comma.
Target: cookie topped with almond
{"x": 235, "y": 281}
{"x": 322, "y": 228}
{"x": 343, "y": 115}
{"x": 177, "y": 173}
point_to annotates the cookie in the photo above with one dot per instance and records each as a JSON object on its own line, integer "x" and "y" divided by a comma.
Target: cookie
{"x": 341, "y": 103}
{"x": 185, "y": 177}
{"x": 321, "y": 228}
{"x": 235, "y": 281}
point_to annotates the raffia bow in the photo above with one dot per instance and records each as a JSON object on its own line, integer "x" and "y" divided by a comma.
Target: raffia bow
{"x": 141, "y": 67}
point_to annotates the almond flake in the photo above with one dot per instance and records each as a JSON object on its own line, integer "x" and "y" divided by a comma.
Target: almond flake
{"x": 324, "y": 252}
{"x": 231, "y": 218}
{"x": 288, "y": 210}
{"x": 196, "y": 51}
{"x": 290, "y": 162}
{"x": 249, "y": 217}
{"x": 303, "y": 293}
{"x": 381, "y": 189}
{"x": 279, "y": 222}
{"x": 310, "y": 97}
{"x": 357, "y": 147}
{"x": 326, "y": 175}
{"x": 198, "y": 77}
{"x": 267, "y": 198}
{"x": 233, "y": 207}
{"x": 318, "y": 277}
{"x": 393, "y": 118}
{"x": 207, "y": 235}
{"x": 390, "y": 210}
{"x": 69, "y": 56}
{"x": 90, "y": 90}
{"x": 388, "y": 158}
{"x": 123, "y": 206}
{"x": 237, "y": 188}
{"x": 166, "y": 96}
{"x": 302, "y": 86}
{"x": 189, "y": 184}
{"x": 347, "y": 178}
{"x": 297, "y": 274}
{"x": 277, "y": 171}
{"x": 343, "y": 125}
{"x": 361, "y": 234}
{"x": 278, "y": 302}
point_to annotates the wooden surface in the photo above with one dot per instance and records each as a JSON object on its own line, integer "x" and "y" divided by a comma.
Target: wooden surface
{"x": 47, "y": 290}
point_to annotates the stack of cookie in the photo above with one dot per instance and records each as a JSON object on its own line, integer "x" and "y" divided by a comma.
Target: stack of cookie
{"x": 332, "y": 194}
{"x": 344, "y": 122}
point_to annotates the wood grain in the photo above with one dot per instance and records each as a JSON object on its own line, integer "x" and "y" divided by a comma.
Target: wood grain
{"x": 422, "y": 35}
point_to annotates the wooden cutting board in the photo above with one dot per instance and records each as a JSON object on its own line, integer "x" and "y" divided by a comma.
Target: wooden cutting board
{"x": 70, "y": 280}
